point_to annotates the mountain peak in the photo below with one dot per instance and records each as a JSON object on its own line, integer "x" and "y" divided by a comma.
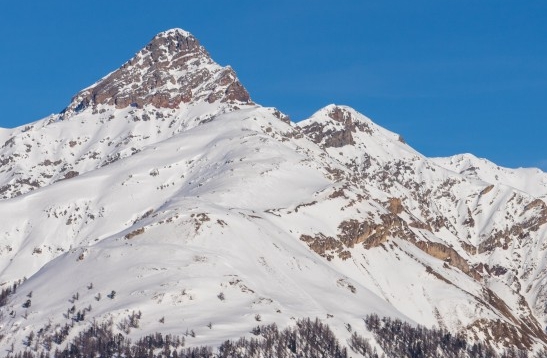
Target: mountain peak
{"x": 174, "y": 32}
{"x": 342, "y": 114}
{"x": 174, "y": 43}
{"x": 173, "y": 68}
{"x": 335, "y": 126}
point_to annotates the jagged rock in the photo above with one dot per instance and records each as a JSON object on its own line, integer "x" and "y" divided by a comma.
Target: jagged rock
{"x": 325, "y": 246}
{"x": 448, "y": 254}
{"x": 172, "y": 69}
{"x": 395, "y": 206}
{"x": 339, "y": 137}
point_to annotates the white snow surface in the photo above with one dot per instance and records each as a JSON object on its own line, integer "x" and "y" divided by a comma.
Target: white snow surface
{"x": 211, "y": 198}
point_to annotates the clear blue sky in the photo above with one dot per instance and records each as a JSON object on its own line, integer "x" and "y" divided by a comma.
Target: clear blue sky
{"x": 449, "y": 76}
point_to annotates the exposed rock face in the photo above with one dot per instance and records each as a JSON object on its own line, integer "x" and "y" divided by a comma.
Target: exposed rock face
{"x": 395, "y": 206}
{"x": 171, "y": 69}
{"x": 338, "y": 133}
{"x": 447, "y": 254}
{"x": 487, "y": 189}
{"x": 325, "y": 246}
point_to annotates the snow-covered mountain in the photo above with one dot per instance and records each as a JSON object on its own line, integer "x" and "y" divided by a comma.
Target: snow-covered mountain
{"x": 164, "y": 189}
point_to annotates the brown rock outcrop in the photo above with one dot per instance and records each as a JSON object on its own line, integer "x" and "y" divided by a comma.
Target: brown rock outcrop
{"x": 172, "y": 69}
{"x": 335, "y": 138}
{"x": 448, "y": 254}
{"x": 395, "y": 206}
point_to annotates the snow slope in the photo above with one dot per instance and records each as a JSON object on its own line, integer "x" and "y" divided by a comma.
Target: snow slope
{"x": 165, "y": 183}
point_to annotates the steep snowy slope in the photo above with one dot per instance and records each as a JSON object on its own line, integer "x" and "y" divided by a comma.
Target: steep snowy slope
{"x": 195, "y": 227}
{"x": 170, "y": 85}
{"x": 530, "y": 180}
{"x": 164, "y": 189}
{"x": 173, "y": 226}
{"x": 493, "y": 233}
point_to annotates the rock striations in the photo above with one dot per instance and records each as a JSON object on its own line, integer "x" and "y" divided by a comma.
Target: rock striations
{"x": 162, "y": 199}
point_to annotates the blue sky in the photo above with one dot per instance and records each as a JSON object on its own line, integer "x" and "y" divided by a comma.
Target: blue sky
{"x": 449, "y": 76}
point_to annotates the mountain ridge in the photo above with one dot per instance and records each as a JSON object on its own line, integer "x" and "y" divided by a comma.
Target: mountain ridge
{"x": 172, "y": 68}
{"x": 171, "y": 205}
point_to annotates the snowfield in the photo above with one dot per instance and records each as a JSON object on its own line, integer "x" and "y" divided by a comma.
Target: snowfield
{"x": 215, "y": 214}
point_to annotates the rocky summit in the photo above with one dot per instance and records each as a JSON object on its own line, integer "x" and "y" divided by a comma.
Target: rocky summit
{"x": 163, "y": 201}
{"x": 171, "y": 69}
